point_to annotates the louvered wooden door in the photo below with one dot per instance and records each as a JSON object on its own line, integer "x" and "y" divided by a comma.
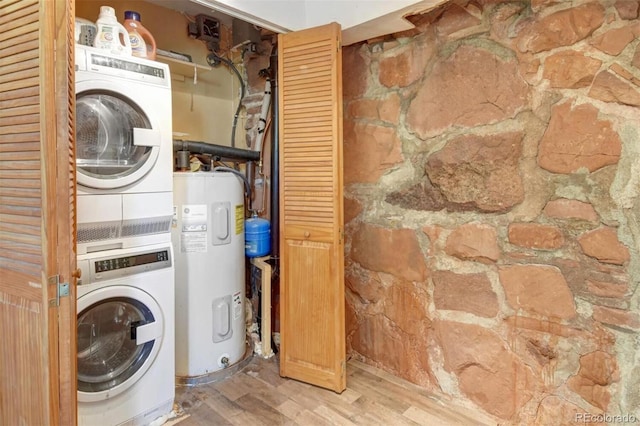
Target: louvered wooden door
{"x": 312, "y": 332}
{"x": 37, "y": 334}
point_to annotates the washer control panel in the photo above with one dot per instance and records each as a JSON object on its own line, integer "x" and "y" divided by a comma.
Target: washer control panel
{"x": 109, "y": 267}
{"x": 115, "y": 263}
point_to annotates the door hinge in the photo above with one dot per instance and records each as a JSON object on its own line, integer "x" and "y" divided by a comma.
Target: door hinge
{"x": 62, "y": 290}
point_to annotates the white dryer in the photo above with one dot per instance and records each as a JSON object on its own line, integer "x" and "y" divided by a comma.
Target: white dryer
{"x": 124, "y": 151}
{"x": 126, "y": 336}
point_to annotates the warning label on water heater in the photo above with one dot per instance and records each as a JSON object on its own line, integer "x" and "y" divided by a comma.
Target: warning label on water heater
{"x": 237, "y": 305}
{"x": 239, "y": 219}
{"x": 193, "y": 236}
{"x": 193, "y": 242}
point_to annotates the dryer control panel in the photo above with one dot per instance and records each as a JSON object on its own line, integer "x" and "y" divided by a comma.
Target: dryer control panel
{"x": 117, "y": 266}
{"x": 131, "y": 68}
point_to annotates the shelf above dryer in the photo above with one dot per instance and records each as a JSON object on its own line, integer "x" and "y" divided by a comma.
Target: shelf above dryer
{"x": 189, "y": 70}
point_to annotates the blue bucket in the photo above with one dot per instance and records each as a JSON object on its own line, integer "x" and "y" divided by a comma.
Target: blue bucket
{"x": 257, "y": 237}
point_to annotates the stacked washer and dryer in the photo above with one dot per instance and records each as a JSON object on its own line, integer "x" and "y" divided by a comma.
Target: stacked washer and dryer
{"x": 126, "y": 301}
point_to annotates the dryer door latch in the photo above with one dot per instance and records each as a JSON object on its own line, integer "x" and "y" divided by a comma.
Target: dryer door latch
{"x": 62, "y": 290}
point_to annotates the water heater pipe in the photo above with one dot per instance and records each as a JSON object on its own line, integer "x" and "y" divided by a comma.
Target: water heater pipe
{"x": 221, "y": 151}
{"x": 252, "y": 174}
{"x": 275, "y": 153}
{"x": 247, "y": 185}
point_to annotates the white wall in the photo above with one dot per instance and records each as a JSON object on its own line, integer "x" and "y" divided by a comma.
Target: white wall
{"x": 350, "y": 13}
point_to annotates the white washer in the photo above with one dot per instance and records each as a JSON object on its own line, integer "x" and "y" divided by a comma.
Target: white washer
{"x": 124, "y": 151}
{"x": 125, "y": 324}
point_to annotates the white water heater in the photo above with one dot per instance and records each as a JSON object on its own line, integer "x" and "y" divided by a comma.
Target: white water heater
{"x": 208, "y": 240}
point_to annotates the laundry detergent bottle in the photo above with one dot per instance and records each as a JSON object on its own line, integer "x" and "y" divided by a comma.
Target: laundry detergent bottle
{"x": 111, "y": 35}
{"x": 143, "y": 45}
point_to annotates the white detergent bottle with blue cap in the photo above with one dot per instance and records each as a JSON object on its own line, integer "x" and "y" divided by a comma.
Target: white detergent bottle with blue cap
{"x": 112, "y": 35}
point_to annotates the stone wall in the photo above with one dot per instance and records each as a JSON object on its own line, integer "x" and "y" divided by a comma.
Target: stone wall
{"x": 492, "y": 206}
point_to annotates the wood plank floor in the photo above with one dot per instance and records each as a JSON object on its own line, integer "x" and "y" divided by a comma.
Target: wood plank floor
{"x": 257, "y": 395}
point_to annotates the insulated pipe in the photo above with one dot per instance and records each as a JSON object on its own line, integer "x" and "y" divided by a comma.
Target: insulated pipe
{"x": 262, "y": 121}
{"x": 275, "y": 148}
{"x": 230, "y": 153}
{"x": 182, "y": 160}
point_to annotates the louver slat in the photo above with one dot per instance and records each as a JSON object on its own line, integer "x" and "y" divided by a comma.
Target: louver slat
{"x": 307, "y": 137}
{"x": 20, "y": 164}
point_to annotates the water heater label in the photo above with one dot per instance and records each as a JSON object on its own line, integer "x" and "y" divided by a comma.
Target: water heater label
{"x": 194, "y": 217}
{"x": 237, "y": 305}
{"x": 193, "y": 242}
{"x": 194, "y": 213}
{"x": 239, "y": 219}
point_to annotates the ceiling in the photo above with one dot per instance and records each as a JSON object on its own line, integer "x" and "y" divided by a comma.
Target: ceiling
{"x": 192, "y": 9}
{"x": 360, "y": 19}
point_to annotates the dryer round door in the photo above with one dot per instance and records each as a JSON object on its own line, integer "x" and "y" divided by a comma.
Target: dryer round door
{"x": 120, "y": 331}
{"x": 116, "y": 144}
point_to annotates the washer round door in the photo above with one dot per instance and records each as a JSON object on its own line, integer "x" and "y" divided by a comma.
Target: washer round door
{"x": 120, "y": 332}
{"x": 115, "y": 143}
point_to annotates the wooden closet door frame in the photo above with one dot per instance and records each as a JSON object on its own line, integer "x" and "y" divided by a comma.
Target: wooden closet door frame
{"x": 57, "y": 41}
{"x": 65, "y": 206}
